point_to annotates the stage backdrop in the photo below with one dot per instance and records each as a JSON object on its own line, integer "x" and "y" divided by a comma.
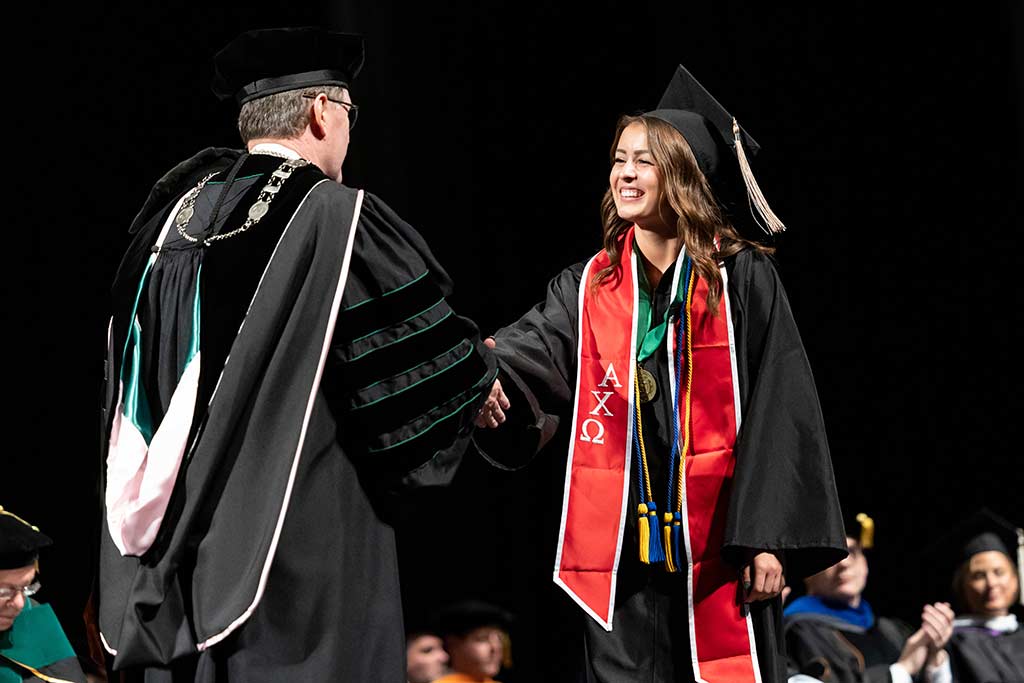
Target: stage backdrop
{"x": 891, "y": 142}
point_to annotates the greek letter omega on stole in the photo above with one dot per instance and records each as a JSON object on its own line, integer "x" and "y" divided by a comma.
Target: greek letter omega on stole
{"x": 592, "y": 429}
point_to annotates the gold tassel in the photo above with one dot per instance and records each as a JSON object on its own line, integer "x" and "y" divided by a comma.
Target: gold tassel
{"x": 666, "y": 536}
{"x": 645, "y": 535}
{"x": 758, "y": 204}
{"x": 867, "y": 531}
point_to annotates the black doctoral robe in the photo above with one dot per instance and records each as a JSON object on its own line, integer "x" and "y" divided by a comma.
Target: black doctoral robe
{"x": 978, "y": 655}
{"x": 275, "y": 560}
{"x": 835, "y": 651}
{"x": 783, "y": 495}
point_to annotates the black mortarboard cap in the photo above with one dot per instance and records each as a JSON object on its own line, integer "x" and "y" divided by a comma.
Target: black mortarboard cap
{"x": 19, "y": 541}
{"x": 719, "y": 143}
{"x": 460, "y": 618}
{"x": 982, "y": 531}
{"x": 268, "y": 61}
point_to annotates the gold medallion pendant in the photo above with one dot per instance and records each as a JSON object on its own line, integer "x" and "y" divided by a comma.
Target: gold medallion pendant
{"x": 647, "y": 385}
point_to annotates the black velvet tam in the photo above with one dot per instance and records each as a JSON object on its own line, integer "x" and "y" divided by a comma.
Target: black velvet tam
{"x": 19, "y": 541}
{"x": 268, "y": 61}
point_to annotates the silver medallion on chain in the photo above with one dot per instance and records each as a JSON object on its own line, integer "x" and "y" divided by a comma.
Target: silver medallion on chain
{"x": 257, "y": 211}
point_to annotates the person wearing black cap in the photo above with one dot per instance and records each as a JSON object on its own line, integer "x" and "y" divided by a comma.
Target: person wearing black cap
{"x": 476, "y": 638}
{"x": 988, "y": 643}
{"x": 698, "y": 474}
{"x": 33, "y": 646}
{"x": 833, "y": 634}
{"x": 282, "y": 359}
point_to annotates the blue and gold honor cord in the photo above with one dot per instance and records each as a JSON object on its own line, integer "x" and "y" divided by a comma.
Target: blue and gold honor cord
{"x": 664, "y": 546}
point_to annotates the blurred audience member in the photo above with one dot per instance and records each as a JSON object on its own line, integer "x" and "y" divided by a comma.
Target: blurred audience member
{"x": 476, "y": 638}
{"x": 833, "y": 634}
{"x": 988, "y": 643}
{"x": 33, "y": 646}
{"x": 425, "y": 656}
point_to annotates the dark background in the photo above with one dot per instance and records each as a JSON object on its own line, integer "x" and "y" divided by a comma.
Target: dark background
{"x": 892, "y": 147}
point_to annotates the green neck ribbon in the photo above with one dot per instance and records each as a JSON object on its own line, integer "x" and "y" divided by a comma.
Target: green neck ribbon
{"x": 649, "y": 339}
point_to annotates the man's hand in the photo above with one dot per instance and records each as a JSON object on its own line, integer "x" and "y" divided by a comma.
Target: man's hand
{"x": 763, "y": 578}
{"x": 492, "y": 413}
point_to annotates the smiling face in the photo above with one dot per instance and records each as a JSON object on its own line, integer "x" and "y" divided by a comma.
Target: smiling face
{"x": 990, "y": 584}
{"x": 843, "y": 582}
{"x": 635, "y": 181}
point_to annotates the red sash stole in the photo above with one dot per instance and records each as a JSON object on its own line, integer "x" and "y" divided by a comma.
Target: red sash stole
{"x": 597, "y": 473}
{"x": 721, "y": 637}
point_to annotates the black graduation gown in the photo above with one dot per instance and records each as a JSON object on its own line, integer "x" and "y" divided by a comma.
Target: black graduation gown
{"x": 280, "y": 556}
{"x": 835, "y": 651}
{"x": 978, "y": 656}
{"x": 783, "y": 492}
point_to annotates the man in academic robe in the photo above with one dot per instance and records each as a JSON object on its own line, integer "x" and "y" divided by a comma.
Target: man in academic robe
{"x": 282, "y": 363}
{"x": 834, "y": 635}
{"x": 33, "y": 646}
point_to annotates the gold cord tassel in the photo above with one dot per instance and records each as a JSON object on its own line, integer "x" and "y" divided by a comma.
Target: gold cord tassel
{"x": 759, "y": 205}
{"x": 645, "y": 535}
{"x": 867, "y": 531}
{"x": 666, "y": 537}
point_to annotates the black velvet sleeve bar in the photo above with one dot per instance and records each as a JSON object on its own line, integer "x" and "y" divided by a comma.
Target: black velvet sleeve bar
{"x": 407, "y": 374}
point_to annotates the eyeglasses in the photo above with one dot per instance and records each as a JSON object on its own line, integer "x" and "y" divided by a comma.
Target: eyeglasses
{"x": 8, "y": 594}
{"x": 352, "y": 109}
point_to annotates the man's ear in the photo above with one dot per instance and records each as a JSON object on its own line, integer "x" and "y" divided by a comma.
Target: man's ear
{"x": 318, "y": 117}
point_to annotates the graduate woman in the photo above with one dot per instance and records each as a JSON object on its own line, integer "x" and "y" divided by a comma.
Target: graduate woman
{"x": 698, "y": 478}
{"x": 988, "y": 642}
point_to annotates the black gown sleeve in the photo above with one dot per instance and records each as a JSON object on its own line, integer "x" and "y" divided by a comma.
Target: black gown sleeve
{"x": 407, "y": 374}
{"x": 784, "y": 494}
{"x": 537, "y": 357}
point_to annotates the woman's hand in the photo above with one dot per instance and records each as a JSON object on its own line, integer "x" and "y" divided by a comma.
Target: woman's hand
{"x": 927, "y": 643}
{"x": 492, "y": 413}
{"x": 937, "y": 622}
{"x": 763, "y": 578}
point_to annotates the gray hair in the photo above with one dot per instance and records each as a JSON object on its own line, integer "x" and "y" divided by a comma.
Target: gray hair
{"x": 283, "y": 115}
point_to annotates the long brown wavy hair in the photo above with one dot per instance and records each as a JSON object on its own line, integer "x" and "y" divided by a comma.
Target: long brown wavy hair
{"x": 691, "y": 206}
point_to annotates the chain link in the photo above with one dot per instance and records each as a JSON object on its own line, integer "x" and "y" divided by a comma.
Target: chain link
{"x": 256, "y": 212}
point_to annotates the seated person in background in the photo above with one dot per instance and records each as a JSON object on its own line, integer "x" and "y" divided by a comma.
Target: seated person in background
{"x": 476, "y": 638}
{"x": 987, "y": 643}
{"x": 33, "y": 646}
{"x": 832, "y": 633}
{"x": 425, "y": 656}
